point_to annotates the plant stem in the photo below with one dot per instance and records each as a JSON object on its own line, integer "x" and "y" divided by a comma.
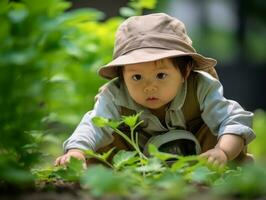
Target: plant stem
{"x": 137, "y": 139}
{"x": 132, "y": 135}
{"x": 130, "y": 142}
{"x": 107, "y": 163}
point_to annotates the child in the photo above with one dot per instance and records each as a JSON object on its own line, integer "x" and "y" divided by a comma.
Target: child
{"x": 176, "y": 88}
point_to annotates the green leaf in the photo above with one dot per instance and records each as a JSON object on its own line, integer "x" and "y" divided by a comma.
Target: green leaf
{"x": 4, "y": 6}
{"x": 51, "y": 7}
{"x": 114, "y": 124}
{"x": 82, "y": 15}
{"x": 123, "y": 158}
{"x": 148, "y": 4}
{"x": 201, "y": 174}
{"x": 127, "y": 12}
{"x": 257, "y": 147}
{"x": 43, "y": 173}
{"x": 250, "y": 183}
{"x": 75, "y": 164}
{"x": 58, "y": 7}
{"x": 131, "y": 120}
{"x": 100, "y": 121}
{"x": 179, "y": 165}
{"x": 106, "y": 155}
{"x": 153, "y": 151}
{"x": 101, "y": 157}
{"x": 154, "y": 165}
{"x": 103, "y": 181}
{"x": 92, "y": 154}
{"x": 139, "y": 5}
{"x": 72, "y": 172}
{"x": 18, "y": 15}
{"x": 171, "y": 185}
{"x": 16, "y": 176}
{"x": 185, "y": 162}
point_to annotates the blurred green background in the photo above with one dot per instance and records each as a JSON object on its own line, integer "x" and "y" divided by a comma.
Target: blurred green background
{"x": 50, "y": 52}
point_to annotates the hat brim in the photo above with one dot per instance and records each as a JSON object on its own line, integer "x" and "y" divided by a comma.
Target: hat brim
{"x": 109, "y": 71}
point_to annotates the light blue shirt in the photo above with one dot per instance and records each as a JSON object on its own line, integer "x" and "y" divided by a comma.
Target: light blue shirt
{"x": 221, "y": 115}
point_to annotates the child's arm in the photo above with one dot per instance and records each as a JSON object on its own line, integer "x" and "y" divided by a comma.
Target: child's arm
{"x": 221, "y": 115}
{"x": 225, "y": 118}
{"x": 231, "y": 144}
{"x": 228, "y": 148}
{"x": 86, "y": 134}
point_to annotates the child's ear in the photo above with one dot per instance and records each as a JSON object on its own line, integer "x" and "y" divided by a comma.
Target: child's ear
{"x": 189, "y": 67}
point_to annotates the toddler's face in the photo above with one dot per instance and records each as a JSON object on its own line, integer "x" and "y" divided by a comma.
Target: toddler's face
{"x": 153, "y": 84}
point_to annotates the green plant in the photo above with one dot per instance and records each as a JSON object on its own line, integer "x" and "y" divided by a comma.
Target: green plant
{"x": 29, "y": 37}
{"x": 48, "y": 58}
{"x": 140, "y": 173}
{"x": 35, "y": 78}
{"x": 136, "y": 7}
{"x": 131, "y": 122}
{"x": 256, "y": 147}
{"x": 132, "y": 175}
{"x": 248, "y": 182}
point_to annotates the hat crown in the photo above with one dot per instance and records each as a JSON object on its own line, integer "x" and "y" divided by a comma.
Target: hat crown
{"x": 141, "y": 27}
{"x": 152, "y": 37}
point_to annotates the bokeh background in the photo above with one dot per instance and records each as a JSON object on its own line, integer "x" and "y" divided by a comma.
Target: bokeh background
{"x": 231, "y": 31}
{"x": 50, "y": 52}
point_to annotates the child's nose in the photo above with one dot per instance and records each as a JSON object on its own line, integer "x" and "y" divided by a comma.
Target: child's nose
{"x": 150, "y": 88}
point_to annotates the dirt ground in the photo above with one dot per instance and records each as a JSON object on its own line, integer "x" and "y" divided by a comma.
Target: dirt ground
{"x": 72, "y": 191}
{"x": 47, "y": 191}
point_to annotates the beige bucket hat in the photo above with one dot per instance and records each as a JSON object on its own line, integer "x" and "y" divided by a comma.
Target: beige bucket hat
{"x": 149, "y": 38}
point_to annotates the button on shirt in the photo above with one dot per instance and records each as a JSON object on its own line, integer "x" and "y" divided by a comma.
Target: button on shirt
{"x": 221, "y": 115}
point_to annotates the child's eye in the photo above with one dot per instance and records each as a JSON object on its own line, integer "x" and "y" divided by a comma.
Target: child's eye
{"x": 161, "y": 75}
{"x": 136, "y": 77}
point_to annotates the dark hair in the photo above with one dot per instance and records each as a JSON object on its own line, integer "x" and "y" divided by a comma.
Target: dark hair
{"x": 183, "y": 63}
{"x": 119, "y": 71}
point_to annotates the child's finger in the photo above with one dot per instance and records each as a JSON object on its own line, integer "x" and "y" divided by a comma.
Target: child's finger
{"x": 204, "y": 155}
{"x": 84, "y": 165}
{"x": 211, "y": 159}
{"x": 216, "y": 163}
{"x": 57, "y": 161}
{"x": 63, "y": 160}
{"x": 222, "y": 165}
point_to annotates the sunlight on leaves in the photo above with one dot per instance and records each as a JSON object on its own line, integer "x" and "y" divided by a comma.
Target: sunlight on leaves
{"x": 154, "y": 165}
{"x": 100, "y": 121}
{"x": 132, "y": 120}
{"x": 123, "y": 158}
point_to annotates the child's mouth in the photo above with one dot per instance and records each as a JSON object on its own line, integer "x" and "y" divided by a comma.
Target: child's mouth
{"x": 151, "y": 99}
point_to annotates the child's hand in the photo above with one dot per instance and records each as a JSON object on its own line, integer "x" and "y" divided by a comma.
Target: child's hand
{"x": 215, "y": 156}
{"x": 64, "y": 159}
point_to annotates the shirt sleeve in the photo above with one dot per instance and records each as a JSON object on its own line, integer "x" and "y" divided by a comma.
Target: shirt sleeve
{"x": 89, "y": 136}
{"x": 221, "y": 115}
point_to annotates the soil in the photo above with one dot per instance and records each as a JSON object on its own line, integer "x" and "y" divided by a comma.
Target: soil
{"x": 59, "y": 190}
{"x": 56, "y": 190}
